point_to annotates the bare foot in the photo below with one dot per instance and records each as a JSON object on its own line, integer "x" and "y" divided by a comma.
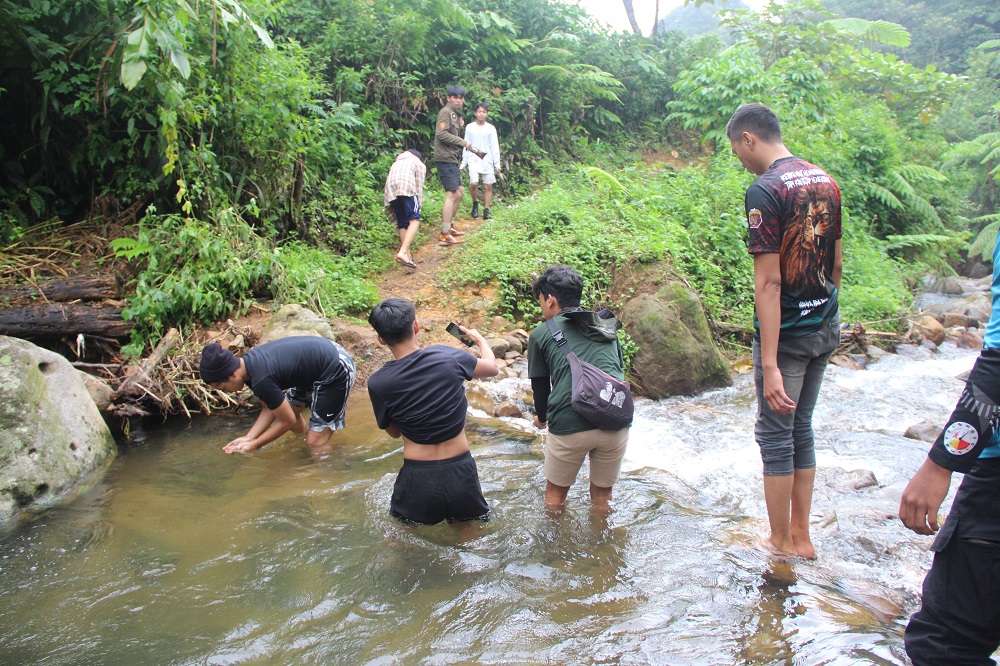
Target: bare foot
{"x": 804, "y": 547}
{"x": 765, "y": 544}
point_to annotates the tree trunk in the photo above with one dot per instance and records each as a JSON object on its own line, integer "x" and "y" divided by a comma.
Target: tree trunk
{"x": 84, "y": 288}
{"x": 656, "y": 21}
{"x": 631, "y": 16}
{"x": 53, "y": 320}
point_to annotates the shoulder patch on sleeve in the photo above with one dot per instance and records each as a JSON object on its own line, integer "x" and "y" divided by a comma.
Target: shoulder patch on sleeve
{"x": 754, "y": 218}
{"x": 443, "y": 124}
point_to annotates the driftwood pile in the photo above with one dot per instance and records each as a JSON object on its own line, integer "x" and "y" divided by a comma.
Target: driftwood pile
{"x": 167, "y": 380}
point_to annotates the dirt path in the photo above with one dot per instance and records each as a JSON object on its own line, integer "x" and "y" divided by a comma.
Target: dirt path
{"x": 437, "y": 305}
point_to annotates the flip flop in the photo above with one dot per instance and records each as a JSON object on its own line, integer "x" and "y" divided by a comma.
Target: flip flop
{"x": 404, "y": 262}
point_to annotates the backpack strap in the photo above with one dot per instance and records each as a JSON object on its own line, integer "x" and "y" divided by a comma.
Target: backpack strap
{"x": 558, "y": 336}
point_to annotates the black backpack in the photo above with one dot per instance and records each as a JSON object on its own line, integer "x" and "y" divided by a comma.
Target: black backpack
{"x": 605, "y": 401}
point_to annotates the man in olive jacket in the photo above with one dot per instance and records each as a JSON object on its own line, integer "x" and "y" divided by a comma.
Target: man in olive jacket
{"x": 449, "y": 140}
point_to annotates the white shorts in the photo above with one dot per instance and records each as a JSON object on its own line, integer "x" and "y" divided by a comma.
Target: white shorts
{"x": 488, "y": 178}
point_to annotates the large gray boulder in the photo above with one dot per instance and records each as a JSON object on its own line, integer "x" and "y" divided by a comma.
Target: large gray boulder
{"x": 292, "y": 320}
{"x": 676, "y": 353}
{"x": 52, "y": 435}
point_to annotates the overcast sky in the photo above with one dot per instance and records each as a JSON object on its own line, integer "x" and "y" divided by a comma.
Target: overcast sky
{"x": 613, "y": 11}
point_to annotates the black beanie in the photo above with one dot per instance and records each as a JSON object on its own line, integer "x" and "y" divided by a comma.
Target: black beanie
{"x": 217, "y": 363}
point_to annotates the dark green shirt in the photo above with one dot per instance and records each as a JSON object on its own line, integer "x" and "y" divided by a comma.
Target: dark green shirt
{"x": 545, "y": 359}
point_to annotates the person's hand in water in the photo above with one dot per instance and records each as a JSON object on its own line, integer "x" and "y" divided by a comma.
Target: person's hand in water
{"x": 242, "y": 444}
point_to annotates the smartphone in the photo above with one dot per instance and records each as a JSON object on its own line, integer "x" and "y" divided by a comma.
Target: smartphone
{"x": 457, "y": 332}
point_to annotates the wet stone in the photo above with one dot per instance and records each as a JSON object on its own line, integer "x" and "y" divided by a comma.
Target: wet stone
{"x": 507, "y": 408}
{"x": 924, "y": 432}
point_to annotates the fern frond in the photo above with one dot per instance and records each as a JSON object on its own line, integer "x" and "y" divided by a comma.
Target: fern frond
{"x": 883, "y": 195}
{"x": 885, "y": 32}
{"x": 602, "y": 178}
{"x": 986, "y": 240}
{"x": 918, "y": 171}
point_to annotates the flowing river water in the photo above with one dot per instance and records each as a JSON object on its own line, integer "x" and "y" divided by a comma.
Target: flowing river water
{"x": 181, "y": 554}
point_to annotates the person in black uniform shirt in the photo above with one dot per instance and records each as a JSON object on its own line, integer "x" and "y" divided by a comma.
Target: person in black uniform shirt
{"x": 959, "y": 619}
{"x": 288, "y": 375}
{"x": 420, "y": 396}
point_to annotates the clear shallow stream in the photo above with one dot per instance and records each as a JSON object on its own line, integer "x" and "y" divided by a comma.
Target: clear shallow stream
{"x": 181, "y": 554}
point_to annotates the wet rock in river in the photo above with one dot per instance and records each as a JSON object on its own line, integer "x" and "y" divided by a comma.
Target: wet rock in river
{"x": 515, "y": 342}
{"x": 499, "y": 346}
{"x": 52, "y": 435}
{"x": 923, "y": 432}
{"x": 929, "y": 328}
{"x": 479, "y": 399}
{"x": 677, "y": 355}
{"x": 843, "y": 481}
{"x": 507, "y": 408}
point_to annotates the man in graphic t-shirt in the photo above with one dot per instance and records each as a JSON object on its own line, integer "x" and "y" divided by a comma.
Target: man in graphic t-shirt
{"x": 420, "y": 396}
{"x": 288, "y": 375}
{"x": 794, "y": 219}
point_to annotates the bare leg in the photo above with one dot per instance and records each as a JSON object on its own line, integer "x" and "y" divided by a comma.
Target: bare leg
{"x": 474, "y": 190}
{"x": 778, "y": 497}
{"x": 452, "y": 200}
{"x": 319, "y": 442}
{"x": 600, "y": 497}
{"x": 555, "y": 496}
{"x": 488, "y": 195}
{"x": 406, "y": 237}
{"x": 802, "y": 490}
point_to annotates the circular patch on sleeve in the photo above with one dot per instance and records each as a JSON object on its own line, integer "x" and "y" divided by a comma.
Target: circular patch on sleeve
{"x": 960, "y": 438}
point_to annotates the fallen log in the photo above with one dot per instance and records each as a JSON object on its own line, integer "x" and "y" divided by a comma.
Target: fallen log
{"x": 142, "y": 371}
{"x": 57, "y": 320}
{"x": 85, "y": 288}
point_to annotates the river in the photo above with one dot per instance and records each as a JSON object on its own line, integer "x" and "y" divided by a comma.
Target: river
{"x": 181, "y": 554}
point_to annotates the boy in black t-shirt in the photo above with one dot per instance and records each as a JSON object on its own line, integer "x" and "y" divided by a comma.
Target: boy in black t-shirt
{"x": 288, "y": 375}
{"x": 420, "y": 396}
{"x": 794, "y": 223}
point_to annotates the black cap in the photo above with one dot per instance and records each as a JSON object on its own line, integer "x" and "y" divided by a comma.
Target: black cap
{"x": 217, "y": 363}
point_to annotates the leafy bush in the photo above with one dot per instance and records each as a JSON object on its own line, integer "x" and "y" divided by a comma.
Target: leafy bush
{"x": 322, "y": 281}
{"x": 196, "y": 272}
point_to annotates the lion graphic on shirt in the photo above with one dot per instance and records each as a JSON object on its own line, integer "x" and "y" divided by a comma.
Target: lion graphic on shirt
{"x": 808, "y": 239}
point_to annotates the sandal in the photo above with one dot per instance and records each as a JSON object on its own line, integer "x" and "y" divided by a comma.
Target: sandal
{"x": 447, "y": 240}
{"x": 404, "y": 262}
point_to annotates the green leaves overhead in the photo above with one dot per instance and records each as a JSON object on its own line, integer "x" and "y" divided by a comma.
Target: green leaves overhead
{"x": 883, "y": 32}
{"x": 169, "y": 26}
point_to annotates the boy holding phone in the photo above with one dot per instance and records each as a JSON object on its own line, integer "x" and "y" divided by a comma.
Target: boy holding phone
{"x": 420, "y": 396}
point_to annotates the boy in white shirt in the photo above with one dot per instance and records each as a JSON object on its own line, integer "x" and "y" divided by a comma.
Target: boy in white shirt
{"x": 483, "y": 138}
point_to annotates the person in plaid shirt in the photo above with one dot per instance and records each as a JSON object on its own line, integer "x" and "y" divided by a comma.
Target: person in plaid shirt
{"x": 404, "y": 190}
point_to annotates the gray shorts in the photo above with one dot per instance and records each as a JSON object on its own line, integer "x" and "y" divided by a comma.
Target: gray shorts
{"x": 786, "y": 440}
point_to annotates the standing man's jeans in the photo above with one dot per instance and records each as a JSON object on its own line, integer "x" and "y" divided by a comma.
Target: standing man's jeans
{"x": 786, "y": 440}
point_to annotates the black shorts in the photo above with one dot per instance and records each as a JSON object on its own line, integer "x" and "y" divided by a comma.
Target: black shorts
{"x": 451, "y": 177}
{"x": 429, "y": 491}
{"x": 406, "y": 209}
{"x": 326, "y": 400}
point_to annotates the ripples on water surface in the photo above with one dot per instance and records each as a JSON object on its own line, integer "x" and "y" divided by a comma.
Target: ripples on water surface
{"x": 184, "y": 555}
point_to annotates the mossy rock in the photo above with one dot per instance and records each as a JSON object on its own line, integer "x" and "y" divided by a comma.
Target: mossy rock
{"x": 293, "y": 320}
{"x": 52, "y": 435}
{"x": 677, "y": 355}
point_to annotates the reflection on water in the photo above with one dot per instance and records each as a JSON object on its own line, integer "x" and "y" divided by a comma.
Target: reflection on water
{"x": 185, "y": 555}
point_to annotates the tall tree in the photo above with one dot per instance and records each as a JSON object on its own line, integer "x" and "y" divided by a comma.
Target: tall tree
{"x": 631, "y": 16}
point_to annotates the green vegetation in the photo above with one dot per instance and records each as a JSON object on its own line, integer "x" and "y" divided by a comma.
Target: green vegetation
{"x": 251, "y": 138}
